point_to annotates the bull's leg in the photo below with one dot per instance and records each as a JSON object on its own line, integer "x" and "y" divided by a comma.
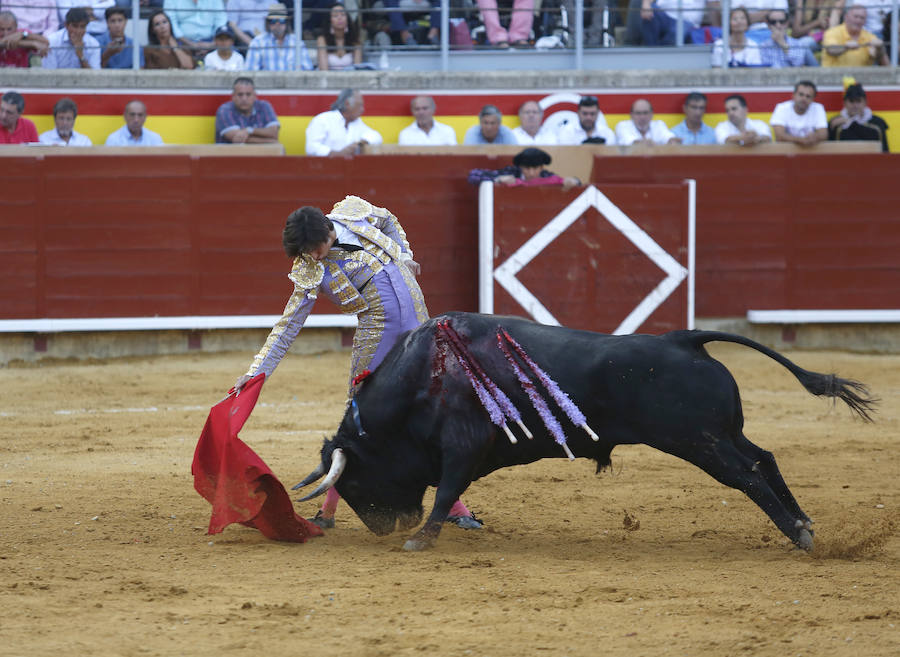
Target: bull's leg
{"x": 721, "y": 460}
{"x": 444, "y": 499}
{"x": 764, "y": 461}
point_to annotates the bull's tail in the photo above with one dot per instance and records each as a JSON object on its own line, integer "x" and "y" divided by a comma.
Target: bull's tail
{"x": 853, "y": 393}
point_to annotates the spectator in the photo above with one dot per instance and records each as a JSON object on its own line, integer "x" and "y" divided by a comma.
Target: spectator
{"x": 247, "y": 19}
{"x": 739, "y": 129}
{"x": 642, "y": 128}
{"x": 425, "y": 131}
{"x": 781, "y": 50}
{"x": 275, "y": 50}
{"x": 341, "y": 131}
{"x": 15, "y": 128}
{"x": 591, "y": 125}
{"x": 115, "y": 43}
{"x": 16, "y": 46}
{"x": 163, "y": 49}
{"x": 756, "y": 15}
{"x": 800, "y": 120}
{"x": 742, "y": 50}
{"x": 856, "y": 121}
{"x": 659, "y": 20}
{"x": 133, "y": 133}
{"x": 338, "y": 45}
{"x": 405, "y": 26}
{"x": 37, "y": 16}
{"x": 811, "y": 18}
{"x": 245, "y": 119}
{"x": 877, "y": 12}
{"x": 519, "y": 23}
{"x": 489, "y": 130}
{"x": 527, "y": 170}
{"x": 693, "y": 131}
{"x": 850, "y": 44}
{"x": 95, "y": 10}
{"x": 63, "y": 134}
{"x": 224, "y": 57}
{"x": 72, "y": 47}
{"x": 531, "y": 132}
{"x": 194, "y": 22}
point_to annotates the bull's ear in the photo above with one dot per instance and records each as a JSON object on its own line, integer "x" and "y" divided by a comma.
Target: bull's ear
{"x": 312, "y": 476}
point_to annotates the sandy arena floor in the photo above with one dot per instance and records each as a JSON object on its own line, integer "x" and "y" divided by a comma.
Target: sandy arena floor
{"x": 103, "y": 545}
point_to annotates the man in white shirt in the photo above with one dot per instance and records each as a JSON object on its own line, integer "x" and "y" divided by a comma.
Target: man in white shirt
{"x": 72, "y": 47}
{"x": 739, "y": 129}
{"x": 340, "y": 132}
{"x": 531, "y": 132}
{"x": 64, "y": 113}
{"x": 642, "y": 128}
{"x": 133, "y": 133}
{"x": 425, "y": 131}
{"x": 591, "y": 125}
{"x": 800, "y": 120}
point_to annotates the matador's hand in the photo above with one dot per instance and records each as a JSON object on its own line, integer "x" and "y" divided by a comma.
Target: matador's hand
{"x": 242, "y": 380}
{"x": 413, "y": 266}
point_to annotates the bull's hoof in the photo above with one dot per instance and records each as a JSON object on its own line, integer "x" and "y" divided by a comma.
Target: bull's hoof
{"x": 417, "y": 544}
{"x": 804, "y": 540}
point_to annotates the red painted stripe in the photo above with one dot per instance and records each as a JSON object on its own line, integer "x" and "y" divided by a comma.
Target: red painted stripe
{"x": 190, "y": 103}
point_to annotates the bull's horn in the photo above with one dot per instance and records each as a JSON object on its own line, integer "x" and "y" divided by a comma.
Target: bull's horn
{"x": 338, "y": 463}
{"x": 311, "y": 477}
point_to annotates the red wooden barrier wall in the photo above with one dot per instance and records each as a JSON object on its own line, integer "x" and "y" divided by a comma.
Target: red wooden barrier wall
{"x": 105, "y": 236}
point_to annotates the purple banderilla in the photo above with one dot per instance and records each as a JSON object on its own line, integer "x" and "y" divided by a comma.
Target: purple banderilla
{"x": 494, "y": 400}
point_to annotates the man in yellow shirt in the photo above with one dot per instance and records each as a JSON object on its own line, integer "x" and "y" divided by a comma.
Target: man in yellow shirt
{"x": 848, "y": 44}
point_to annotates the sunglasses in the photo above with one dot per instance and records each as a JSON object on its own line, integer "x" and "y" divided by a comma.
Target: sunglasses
{"x": 277, "y": 20}
{"x": 777, "y": 21}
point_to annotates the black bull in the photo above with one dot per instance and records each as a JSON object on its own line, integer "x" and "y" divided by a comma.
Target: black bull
{"x": 420, "y": 423}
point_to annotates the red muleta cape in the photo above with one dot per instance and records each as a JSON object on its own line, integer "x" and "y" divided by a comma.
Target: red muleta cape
{"x": 238, "y": 484}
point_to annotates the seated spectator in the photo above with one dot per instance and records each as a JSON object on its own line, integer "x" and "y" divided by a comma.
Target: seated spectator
{"x": 247, "y": 19}
{"x": 245, "y": 119}
{"x": 63, "y": 134}
{"x": 519, "y": 23}
{"x": 757, "y": 10}
{"x": 224, "y": 57}
{"x": 877, "y": 12}
{"x": 591, "y": 126}
{"x": 407, "y": 26}
{"x": 115, "y": 43}
{"x": 276, "y": 49}
{"x": 742, "y": 50}
{"x": 527, "y": 170}
{"x": 341, "y": 131}
{"x": 693, "y": 131}
{"x": 489, "y": 130}
{"x": 800, "y": 120}
{"x": 659, "y": 20}
{"x": 425, "y": 131}
{"x": 194, "y": 22}
{"x": 15, "y": 128}
{"x": 339, "y": 48}
{"x": 95, "y": 10}
{"x": 739, "y": 129}
{"x": 531, "y": 132}
{"x": 36, "y": 16}
{"x": 856, "y": 121}
{"x": 72, "y": 47}
{"x": 641, "y": 128}
{"x": 781, "y": 50}
{"x": 133, "y": 133}
{"x": 811, "y": 18}
{"x": 163, "y": 49}
{"x": 17, "y": 46}
{"x": 850, "y": 44}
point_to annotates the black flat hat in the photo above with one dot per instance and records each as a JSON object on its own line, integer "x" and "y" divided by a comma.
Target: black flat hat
{"x": 532, "y": 157}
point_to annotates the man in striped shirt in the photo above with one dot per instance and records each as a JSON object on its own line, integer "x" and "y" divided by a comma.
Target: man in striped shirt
{"x": 276, "y": 49}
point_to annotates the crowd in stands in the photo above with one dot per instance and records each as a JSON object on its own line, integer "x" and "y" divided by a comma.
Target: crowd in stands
{"x": 257, "y": 35}
{"x": 342, "y": 132}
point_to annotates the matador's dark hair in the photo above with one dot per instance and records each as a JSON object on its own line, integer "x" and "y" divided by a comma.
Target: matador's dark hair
{"x": 305, "y": 229}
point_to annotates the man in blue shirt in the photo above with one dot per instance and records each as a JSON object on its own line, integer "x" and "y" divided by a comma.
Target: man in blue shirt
{"x": 133, "y": 133}
{"x": 489, "y": 129}
{"x": 72, "y": 47}
{"x": 693, "y": 131}
{"x": 115, "y": 44}
{"x": 276, "y": 48}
